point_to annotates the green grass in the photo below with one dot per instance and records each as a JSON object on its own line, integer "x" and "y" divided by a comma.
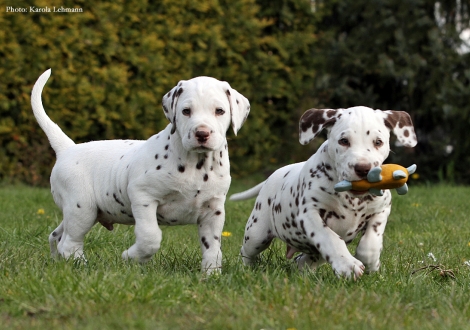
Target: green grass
{"x": 170, "y": 293}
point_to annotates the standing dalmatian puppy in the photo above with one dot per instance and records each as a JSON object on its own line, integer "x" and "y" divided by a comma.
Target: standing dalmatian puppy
{"x": 179, "y": 176}
{"x": 299, "y": 205}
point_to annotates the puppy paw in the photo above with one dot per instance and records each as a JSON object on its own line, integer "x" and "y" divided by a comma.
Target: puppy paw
{"x": 130, "y": 254}
{"x": 372, "y": 268}
{"x": 348, "y": 267}
{"x": 248, "y": 261}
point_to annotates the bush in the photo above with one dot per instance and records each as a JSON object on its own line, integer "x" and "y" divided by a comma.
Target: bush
{"x": 112, "y": 64}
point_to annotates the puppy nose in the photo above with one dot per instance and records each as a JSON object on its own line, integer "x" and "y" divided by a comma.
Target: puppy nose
{"x": 362, "y": 169}
{"x": 202, "y": 136}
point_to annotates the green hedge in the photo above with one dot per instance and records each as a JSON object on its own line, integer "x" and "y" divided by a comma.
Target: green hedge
{"x": 112, "y": 64}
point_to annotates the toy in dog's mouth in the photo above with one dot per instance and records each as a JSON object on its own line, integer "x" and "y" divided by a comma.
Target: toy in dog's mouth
{"x": 388, "y": 176}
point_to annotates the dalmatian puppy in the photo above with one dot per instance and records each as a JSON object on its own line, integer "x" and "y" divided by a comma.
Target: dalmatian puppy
{"x": 179, "y": 176}
{"x": 299, "y": 205}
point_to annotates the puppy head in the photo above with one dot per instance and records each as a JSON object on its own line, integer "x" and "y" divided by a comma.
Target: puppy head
{"x": 201, "y": 110}
{"x": 358, "y": 137}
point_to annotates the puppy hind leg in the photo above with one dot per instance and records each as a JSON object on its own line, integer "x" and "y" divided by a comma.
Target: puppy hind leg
{"x": 258, "y": 237}
{"x": 76, "y": 224}
{"x": 54, "y": 239}
{"x": 311, "y": 261}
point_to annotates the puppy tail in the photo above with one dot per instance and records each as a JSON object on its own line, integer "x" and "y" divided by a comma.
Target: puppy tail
{"x": 57, "y": 138}
{"x": 250, "y": 193}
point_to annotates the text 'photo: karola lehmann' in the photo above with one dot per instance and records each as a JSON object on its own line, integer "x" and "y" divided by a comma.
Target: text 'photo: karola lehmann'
{"x": 46, "y": 9}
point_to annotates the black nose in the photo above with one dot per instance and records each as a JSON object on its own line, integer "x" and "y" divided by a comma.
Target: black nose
{"x": 362, "y": 170}
{"x": 202, "y": 136}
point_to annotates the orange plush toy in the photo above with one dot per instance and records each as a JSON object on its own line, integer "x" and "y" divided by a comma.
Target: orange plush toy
{"x": 389, "y": 176}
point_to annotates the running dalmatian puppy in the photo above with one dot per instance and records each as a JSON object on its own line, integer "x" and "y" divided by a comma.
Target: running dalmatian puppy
{"x": 179, "y": 176}
{"x": 299, "y": 205}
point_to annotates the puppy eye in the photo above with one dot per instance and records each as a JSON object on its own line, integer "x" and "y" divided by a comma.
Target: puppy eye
{"x": 219, "y": 111}
{"x": 186, "y": 111}
{"x": 344, "y": 142}
{"x": 378, "y": 143}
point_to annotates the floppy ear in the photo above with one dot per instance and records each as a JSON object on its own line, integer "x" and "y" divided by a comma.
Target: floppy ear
{"x": 400, "y": 123}
{"x": 169, "y": 102}
{"x": 313, "y": 121}
{"x": 239, "y": 107}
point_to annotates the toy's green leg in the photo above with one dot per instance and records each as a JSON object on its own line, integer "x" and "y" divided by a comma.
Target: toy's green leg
{"x": 376, "y": 192}
{"x": 343, "y": 186}
{"x": 374, "y": 174}
{"x": 402, "y": 190}
{"x": 399, "y": 174}
{"x": 411, "y": 169}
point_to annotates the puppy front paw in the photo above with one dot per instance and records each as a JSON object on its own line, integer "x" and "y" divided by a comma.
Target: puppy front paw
{"x": 348, "y": 267}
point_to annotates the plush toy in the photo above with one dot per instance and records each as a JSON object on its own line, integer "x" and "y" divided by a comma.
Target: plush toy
{"x": 389, "y": 176}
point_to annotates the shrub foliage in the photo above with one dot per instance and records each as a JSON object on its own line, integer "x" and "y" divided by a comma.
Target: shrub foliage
{"x": 112, "y": 64}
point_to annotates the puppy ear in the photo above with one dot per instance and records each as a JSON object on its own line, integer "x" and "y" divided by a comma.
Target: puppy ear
{"x": 400, "y": 123}
{"x": 313, "y": 121}
{"x": 239, "y": 107}
{"x": 169, "y": 103}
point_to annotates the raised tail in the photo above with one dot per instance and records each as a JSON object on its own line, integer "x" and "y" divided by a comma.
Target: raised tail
{"x": 57, "y": 138}
{"x": 250, "y": 193}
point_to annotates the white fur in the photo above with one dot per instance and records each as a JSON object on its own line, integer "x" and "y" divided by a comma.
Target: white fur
{"x": 176, "y": 177}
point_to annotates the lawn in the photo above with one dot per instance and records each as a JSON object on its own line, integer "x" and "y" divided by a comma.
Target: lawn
{"x": 430, "y": 226}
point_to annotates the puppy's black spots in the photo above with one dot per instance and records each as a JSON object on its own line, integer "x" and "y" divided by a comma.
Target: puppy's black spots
{"x": 368, "y": 132}
{"x": 206, "y": 177}
{"x": 181, "y": 168}
{"x": 158, "y": 167}
{"x": 166, "y": 156}
{"x": 200, "y": 163}
{"x": 167, "y": 146}
{"x": 121, "y": 157}
{"x": 145, "y": 205}
{"x": 54, "y": 234}
{"x": 156, "y": 156}
{"x": 204, "y": 242}
{"x": 218, "y": 212}
{"x": 117, "y": 200}
{"x": 78, "y": 205}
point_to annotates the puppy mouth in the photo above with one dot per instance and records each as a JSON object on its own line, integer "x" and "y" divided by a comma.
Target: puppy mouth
{"x": 202, "y": 148}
